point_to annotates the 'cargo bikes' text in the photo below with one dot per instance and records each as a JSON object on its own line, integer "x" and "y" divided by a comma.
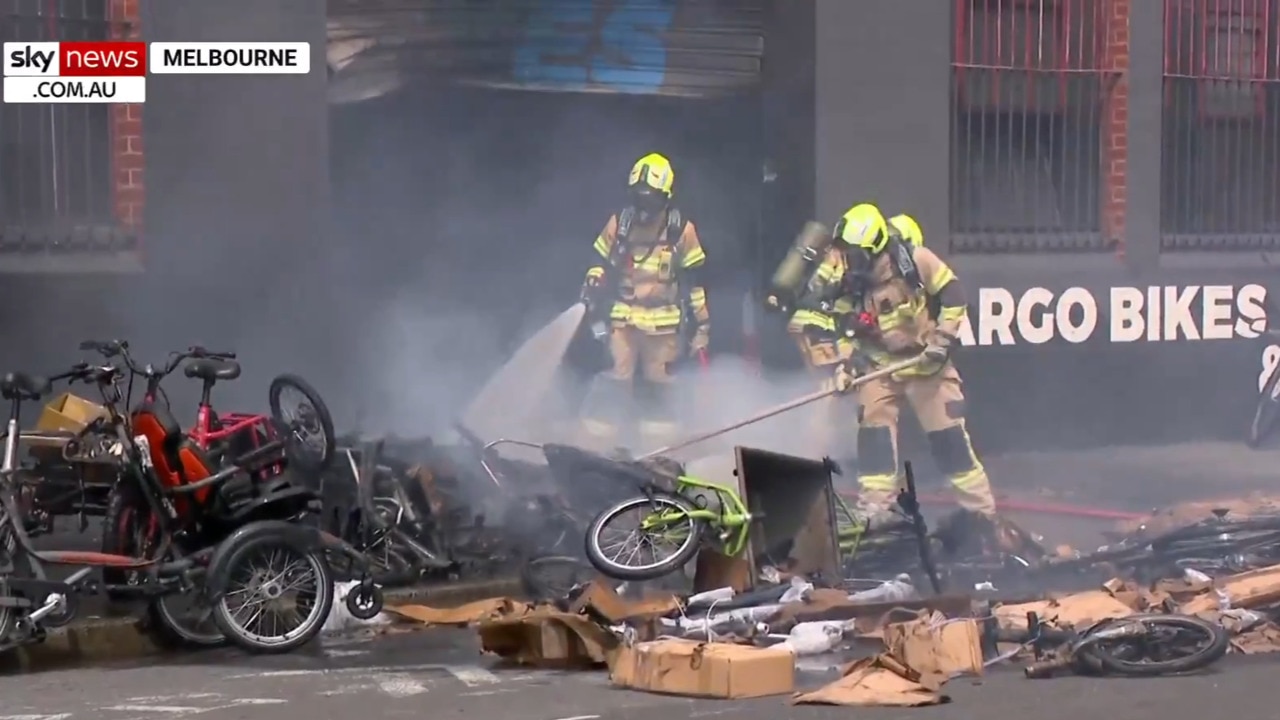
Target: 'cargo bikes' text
{"x": 1126, "y": 314}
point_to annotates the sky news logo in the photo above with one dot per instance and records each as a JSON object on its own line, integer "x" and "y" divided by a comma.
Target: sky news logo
{"x": 115, "y": 71}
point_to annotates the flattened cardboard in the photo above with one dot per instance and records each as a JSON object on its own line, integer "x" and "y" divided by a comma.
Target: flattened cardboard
{"x": 710, "y": 670}
{"x": 881, "y": 681}
{"x": 548, "y": 639}
{"x": 472, "y": 612}
{"x": 601, "y": 599}
{"x": 1079, "y": 610}
{"x": 1245, "y": 591}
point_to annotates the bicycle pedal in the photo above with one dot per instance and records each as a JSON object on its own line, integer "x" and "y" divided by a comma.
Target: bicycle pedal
{"x": 54, "y": 603}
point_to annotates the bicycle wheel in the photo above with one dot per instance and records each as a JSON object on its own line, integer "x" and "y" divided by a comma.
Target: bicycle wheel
{"x": 277, "y": 595}
{"x": 184, "y": 621}
{"x": 679, "y": 533}
{"x": 1216, "y": 531}
{"x": 1171, "y": 644}
{"x": 303, "y": 421}
{"x": 126, "y": 530}
{"x": 1266, "y": 412}
{"x": 8, "y": 550}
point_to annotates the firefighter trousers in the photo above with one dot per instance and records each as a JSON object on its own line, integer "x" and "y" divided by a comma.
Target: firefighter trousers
{"x": 821, "y": 356}
{"x": 650, "y": 355}
{"x": 938, "y": 402}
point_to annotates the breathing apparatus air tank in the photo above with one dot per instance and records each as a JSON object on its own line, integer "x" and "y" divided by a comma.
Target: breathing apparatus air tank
{"x": 793, "y": 273}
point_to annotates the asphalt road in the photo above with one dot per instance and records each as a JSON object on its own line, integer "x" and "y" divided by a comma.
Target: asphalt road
{"x": 439, "y": 674}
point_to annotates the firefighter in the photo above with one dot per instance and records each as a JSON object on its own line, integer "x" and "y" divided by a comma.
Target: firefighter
{"x": 902, "y": 301}
{"x": 645, "y": 278}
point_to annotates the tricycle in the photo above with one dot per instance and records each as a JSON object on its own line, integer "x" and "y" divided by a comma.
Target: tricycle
{"x": 194, "y": 534}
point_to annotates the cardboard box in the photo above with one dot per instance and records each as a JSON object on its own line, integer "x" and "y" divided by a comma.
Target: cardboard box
{"x": 711, "y": 670}
{"x": 69, "y": 413}
{"x": 936, "y": 646}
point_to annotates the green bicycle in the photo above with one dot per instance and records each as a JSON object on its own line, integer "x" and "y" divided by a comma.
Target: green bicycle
{"x": 657, "y": 533}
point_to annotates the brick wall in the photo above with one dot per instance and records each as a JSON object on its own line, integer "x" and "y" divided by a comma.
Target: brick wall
{"x": 127, "y": 157}
{"x": 1115, "y": 119}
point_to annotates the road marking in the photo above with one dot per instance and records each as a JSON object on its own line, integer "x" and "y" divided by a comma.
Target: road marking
{"x": 167, "y": 709}
{"x": 345, "y": 690}
{"x": 482, "y": 693}
{"x": 155, "y": 698}
{"x": 59, "y": 716}
{"x": 580, "y": 717}
{"x": 399, "y": 686}
{"x": 471, "y": 675}
{"x": 277, "y": 673}
{"x": 345, "y": 653}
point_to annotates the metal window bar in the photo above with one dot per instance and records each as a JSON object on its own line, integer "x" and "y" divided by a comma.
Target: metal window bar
{"x": 1031, "y": 79}
{"x": 1220, "y": 165}
{"x": 55, "y": 160}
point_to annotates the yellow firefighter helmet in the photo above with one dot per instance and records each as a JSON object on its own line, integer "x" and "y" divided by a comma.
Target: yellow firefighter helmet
{"x": 863, "y": 226}
{"x": 908, "y": 228}
{"x": 653, "y": 171}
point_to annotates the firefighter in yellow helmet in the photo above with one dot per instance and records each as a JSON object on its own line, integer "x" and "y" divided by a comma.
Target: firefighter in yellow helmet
{"x": 645, "y": 277}
{"x": 902, "y": 300}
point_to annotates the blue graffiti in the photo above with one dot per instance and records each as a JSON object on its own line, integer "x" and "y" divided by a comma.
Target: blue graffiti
{"x": 565, "y": 48}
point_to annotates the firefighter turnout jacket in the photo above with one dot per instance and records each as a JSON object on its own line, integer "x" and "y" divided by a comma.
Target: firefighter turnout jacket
{"x": 905, "y": 311}
{"x": 650, "y": 273}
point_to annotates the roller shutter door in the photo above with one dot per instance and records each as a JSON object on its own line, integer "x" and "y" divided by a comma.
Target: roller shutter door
{"x": 693, "y": 48}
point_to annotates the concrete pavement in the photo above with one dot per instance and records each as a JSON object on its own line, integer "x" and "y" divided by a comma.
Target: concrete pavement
{"x": 439, "y": 674}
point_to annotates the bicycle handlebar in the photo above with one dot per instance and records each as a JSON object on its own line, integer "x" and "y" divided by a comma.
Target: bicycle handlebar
{"x": 120, "y": 348}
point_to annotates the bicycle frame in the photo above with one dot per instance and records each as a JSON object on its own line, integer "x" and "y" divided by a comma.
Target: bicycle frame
{"x": 731, "y": 518}
{"x": 56, "y": 592}
{"x": 230, "y": 424}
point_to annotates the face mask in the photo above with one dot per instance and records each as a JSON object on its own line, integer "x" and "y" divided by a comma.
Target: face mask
{"x": 648, "y": 204}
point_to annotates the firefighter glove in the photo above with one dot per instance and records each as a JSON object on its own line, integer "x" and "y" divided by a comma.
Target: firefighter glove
{"x": 860, "y": 363}
{"x": 591, "y": 291}
{"x": 938, "y": 350}
{"x": 701, "y": 338}
{"x": 844, "y": 377}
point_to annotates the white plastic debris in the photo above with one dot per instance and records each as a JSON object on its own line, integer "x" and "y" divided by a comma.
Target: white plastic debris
{"x": 814, "y": 638}
{"x": 898, "y": 589}
{"x": 1195, "y": 576}
{"x": 340, "y": 619}
{"x": 722, "y": 623}
{"x": 710, "y": 597}
{"x": 798, "y": 591}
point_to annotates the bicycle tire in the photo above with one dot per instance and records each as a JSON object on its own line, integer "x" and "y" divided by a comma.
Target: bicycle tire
{"x": 303, "y": 458}
{"x": 126, "y": 508}
{"x": 1212, "y": 529}
{"x": 1265, "y": 413}
{"x": 1214, "y": 651}
{"x": 617, "y": 571}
